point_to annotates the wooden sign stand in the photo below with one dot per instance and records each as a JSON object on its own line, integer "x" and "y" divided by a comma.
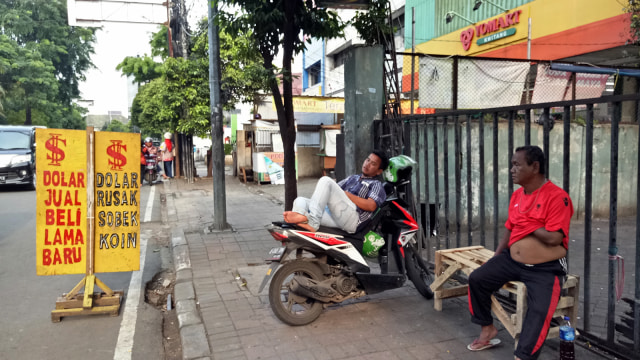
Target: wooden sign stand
{"x": 89, "y": 303}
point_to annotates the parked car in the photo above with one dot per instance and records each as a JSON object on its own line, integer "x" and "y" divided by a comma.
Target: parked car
{"x": 18, "y": 155}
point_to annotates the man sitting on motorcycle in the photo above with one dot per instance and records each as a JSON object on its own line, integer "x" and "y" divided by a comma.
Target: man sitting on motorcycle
{"x": 346, "y": 204}
{"x": 149, "y": 149}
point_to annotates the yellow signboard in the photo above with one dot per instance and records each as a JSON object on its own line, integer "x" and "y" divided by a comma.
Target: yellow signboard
{"x": 61, "y": 196}
{"x": 62, "y": 202}
{"x": 117, "y": 202}
{"x": 486, "y": 35}
{"x": 313, "y": 104}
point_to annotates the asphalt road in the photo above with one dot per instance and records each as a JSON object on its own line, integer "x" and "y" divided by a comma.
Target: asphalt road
{"x": 26, "y": 300}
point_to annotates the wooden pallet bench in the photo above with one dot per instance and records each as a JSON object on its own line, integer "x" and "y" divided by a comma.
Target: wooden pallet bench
{"x": 451, "y": 261}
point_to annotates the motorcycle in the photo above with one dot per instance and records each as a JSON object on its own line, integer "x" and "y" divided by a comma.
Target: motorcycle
{"x": 151, "y": 168}
{"x": 315, "y": 270}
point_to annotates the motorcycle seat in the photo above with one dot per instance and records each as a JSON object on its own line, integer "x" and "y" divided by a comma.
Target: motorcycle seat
{"x": 323, "y": 229}
{"x": 357, "y": 238}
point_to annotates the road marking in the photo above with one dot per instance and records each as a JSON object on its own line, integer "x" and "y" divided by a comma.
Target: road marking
{"x": 124, "y": 347}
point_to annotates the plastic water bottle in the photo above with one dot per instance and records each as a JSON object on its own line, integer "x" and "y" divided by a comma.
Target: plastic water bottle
{"x": 567, "y": 338}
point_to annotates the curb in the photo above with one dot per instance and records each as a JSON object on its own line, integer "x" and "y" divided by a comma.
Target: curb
{"x": 193, "y": 335}
{"x": 192, "y": 332}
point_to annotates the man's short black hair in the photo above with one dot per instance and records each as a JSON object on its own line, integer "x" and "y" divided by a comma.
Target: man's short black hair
{"x": 534, "y": 153}
{"x": 384, "y": 159}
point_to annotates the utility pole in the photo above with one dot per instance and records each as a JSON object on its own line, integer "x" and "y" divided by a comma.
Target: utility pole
{"x": 184, "y": 43}
{"x": 217, "y": 146}
{"x": 186, "y": 140}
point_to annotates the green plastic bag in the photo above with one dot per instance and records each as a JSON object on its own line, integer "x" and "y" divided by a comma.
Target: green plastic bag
{"x": 372, "y": 243}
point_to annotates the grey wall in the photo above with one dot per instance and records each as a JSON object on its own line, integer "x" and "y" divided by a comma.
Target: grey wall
{"x": 627, "y": 167}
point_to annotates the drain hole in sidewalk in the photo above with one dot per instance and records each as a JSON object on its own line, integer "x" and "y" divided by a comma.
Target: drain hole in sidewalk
{"x": 159, "y": 294}
{"x": 159, "y": 289}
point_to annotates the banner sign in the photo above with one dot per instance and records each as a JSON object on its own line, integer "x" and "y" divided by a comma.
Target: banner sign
{"x": 276, "y": 172}
{"x": 61, "y": 201}
{"x": 117, "y": 201}
{"x": 555, "y": 85}
{"x": 316, "y": 104}
{"x": 483, "y": 79}
{"x": 436, "y": 77}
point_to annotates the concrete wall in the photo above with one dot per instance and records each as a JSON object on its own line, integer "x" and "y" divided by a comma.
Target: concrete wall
{"x": 627, "y": 167}
{"x": 363, "y": 101}
{"x": 309, "y": 163}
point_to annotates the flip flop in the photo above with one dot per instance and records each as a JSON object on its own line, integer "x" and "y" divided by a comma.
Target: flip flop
{"x": 483, "y": 345}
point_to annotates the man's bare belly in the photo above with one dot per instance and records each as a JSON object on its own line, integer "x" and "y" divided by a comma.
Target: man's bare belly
{"x": 530, "y": 250}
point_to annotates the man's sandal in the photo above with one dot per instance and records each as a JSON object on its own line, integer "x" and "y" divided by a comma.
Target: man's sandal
{"x": 478, "y": 345}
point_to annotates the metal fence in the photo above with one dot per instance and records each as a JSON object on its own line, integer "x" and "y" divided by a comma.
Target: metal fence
{"x": 458, "y": 82}
{"x": 462, "y": 188}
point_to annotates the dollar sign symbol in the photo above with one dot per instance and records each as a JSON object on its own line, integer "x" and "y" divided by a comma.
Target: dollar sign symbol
{"x": 115, "y": 151}
{"x": 56, "y": 155}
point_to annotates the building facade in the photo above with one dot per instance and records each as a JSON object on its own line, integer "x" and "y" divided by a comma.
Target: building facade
{"x": 593, "y": 32}
{"x": 323, "y": 60}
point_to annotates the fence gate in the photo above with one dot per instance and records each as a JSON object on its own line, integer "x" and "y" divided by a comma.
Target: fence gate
{"x": 462, "y": 188}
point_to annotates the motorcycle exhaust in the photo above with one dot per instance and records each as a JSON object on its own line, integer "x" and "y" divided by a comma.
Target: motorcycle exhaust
{"x": 310, "y": 288}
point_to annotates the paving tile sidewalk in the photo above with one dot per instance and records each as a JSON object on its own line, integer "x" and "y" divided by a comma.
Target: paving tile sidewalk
{"x": 222, "y": 316}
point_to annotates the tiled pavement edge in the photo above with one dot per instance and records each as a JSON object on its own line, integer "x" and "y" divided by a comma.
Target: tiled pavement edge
{"x": 221, "y": 316}
{"x": 192, "y": 331}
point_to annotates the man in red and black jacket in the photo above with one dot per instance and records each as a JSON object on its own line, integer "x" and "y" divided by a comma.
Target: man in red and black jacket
{"x": 147, "y": 149}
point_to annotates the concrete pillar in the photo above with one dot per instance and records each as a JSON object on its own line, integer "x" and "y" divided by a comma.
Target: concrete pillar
{"x": 629, "y": 86}
{"x": 363, "y": 101}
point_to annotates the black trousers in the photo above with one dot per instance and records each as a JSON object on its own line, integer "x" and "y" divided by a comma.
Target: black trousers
{"x": 544, "y": 284}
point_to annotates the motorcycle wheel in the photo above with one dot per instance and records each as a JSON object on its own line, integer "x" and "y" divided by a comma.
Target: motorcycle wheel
{"x": 149, "y": 177}
{"x": 418, "y": 272}
{"x": 290, "y": 308}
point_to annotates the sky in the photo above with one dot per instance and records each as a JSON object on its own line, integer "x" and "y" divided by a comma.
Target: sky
{"x": 105, "y": 89}
{"x": 105, "y": 86}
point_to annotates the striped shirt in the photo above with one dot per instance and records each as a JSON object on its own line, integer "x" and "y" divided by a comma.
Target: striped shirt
{"x": 366, "y": 188}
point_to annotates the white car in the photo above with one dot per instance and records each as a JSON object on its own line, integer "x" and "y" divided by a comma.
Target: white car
{"x": 18, "y": 155}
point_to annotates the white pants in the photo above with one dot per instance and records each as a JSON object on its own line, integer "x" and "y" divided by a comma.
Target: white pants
{"x": 328, "y": 206}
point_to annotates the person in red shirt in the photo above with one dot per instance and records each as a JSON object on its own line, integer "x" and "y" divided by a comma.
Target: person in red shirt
{"x": 532, "y": 250}
{"x": 166, "y": 149}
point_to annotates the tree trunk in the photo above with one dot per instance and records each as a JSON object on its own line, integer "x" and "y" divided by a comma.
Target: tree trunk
{"x": 27, "y": 120}
{"x": 287, "y": 124}
{"x": 284, "y": 104}
{"x": 288, "y": 134}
